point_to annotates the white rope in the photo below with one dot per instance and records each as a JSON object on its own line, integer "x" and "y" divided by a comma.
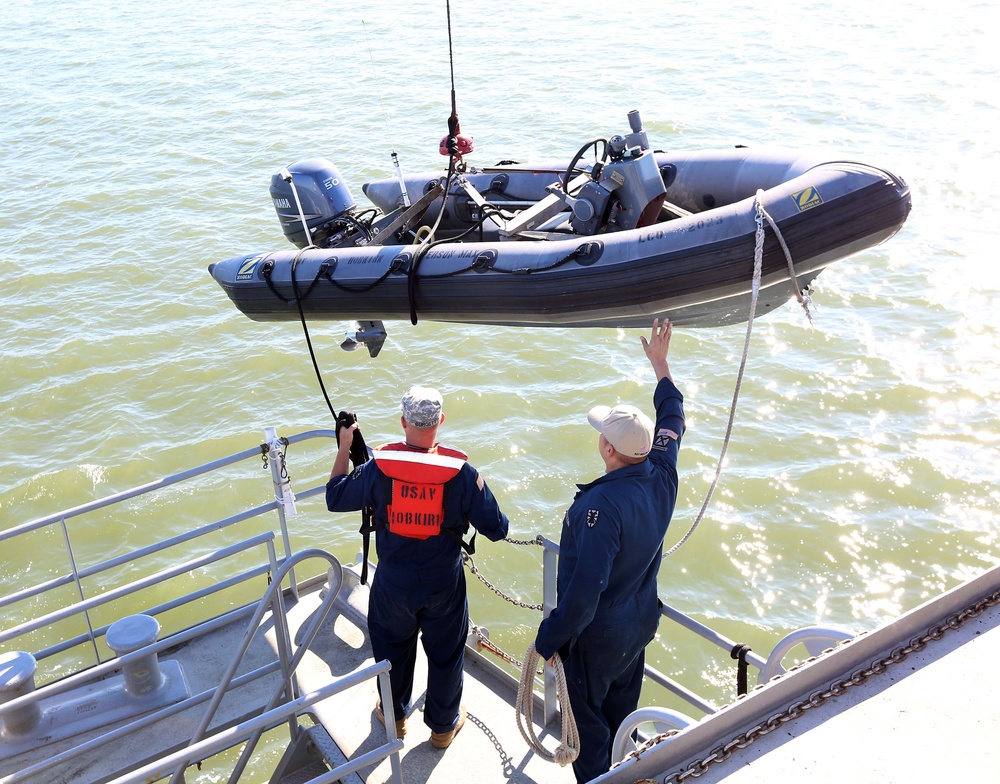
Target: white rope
{"x": 758, "y": 263}
{"x": 569, "y": 747}
{"x": 803, "y": 299}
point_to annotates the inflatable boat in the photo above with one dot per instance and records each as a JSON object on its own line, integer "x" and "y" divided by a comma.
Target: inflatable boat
{"x": 615, "y": 236}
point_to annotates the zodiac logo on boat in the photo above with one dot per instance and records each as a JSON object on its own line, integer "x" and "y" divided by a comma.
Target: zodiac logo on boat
{"x": 806, "y": 199}
{"x": 248, "y": 268}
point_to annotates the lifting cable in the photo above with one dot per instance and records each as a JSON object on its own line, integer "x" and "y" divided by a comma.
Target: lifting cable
{"x": 758, "y": 262}
{"x": 359, "y": 449}
{"x": 286, "y": 175}
{"x": 453, "y": 156}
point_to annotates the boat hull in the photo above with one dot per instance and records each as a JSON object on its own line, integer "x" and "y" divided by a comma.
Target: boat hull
{"x": 696, "y": 270}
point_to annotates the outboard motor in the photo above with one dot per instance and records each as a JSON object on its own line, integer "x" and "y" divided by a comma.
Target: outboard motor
{"x": 315, "y": 186}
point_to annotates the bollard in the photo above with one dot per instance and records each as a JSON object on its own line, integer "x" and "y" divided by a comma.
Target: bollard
{"x": 142, "y": 675}
{"x": 17, "y": 678}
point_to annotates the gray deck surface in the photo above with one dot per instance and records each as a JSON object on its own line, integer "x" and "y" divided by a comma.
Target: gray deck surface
{"x": 488, "y": 749}
{"x": 933, "y": 715}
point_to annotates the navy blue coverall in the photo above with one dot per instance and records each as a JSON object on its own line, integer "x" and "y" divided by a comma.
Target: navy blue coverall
{"x": 419, "y": 587}
{"x": 608, "y": 608}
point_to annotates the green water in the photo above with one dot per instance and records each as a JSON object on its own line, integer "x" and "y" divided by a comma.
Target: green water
{"x": 137, "y": 145}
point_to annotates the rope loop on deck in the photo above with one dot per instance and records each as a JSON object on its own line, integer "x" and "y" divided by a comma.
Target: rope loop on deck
{"x": 569, "y": 747}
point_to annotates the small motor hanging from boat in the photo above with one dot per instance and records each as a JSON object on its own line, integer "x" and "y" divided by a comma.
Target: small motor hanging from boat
{"x": 327, "y": 205}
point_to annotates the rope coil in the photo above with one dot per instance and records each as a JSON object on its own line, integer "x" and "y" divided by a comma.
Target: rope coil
{"x": 569, "y": 747}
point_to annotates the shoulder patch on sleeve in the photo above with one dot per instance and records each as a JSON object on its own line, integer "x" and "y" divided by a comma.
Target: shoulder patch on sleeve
{"x": 663, "y": 438}
{"x": 479, "y": 481}
{"x": 592, "y": 515}
{"x": 356, "y": 473}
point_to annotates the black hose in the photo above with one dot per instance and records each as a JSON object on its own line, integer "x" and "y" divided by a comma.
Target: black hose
{"x": 305, "y": 331}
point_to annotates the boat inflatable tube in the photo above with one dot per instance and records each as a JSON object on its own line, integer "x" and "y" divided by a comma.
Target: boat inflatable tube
{"x": 694, "y": 265}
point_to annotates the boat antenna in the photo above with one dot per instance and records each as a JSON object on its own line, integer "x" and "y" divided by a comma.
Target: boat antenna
{"x": 453, "y": 120}
{"x": 385, "y": 119}
{"x": 454, "y": 145}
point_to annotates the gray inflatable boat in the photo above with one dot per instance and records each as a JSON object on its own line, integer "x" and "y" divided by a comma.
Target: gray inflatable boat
{"x": 619, "y": 234}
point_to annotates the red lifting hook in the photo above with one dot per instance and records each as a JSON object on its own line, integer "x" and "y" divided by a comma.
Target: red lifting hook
{"x": 463, "y": 144}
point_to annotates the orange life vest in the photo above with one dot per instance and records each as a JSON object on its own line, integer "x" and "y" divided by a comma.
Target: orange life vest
{"x": 416, "y": 486}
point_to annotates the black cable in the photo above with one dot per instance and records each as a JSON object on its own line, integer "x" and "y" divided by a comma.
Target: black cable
{"x": 411, "y": 283}
{"x": 305, "y": 331}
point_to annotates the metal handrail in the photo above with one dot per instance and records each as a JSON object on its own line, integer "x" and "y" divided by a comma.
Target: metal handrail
{"x": 77, "y": 575}
{"x": 228, "y": 738}
{"x": 216, "y": 694}
{"x": 149, "y": 487}
{"x": 131, "y": 588}
{"x": 271, "y": 601}
{"x": 289, "y": 656}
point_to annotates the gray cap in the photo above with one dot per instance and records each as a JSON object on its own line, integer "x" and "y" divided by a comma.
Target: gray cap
{"x": 421, "y": 406}
{"x": 626, "y": 428}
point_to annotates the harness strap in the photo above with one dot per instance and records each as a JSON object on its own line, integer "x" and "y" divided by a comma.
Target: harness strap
{"x": 367, "y": 526}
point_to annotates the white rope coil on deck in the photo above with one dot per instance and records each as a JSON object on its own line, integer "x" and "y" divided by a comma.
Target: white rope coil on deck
{"x": 569, "y": 747}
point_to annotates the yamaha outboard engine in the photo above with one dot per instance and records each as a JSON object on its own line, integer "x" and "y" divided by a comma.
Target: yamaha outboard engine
{"x": 312, "y": 189}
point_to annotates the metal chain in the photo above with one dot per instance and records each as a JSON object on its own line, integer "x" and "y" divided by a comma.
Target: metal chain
{"x": 483, "y": 643}
{"x": 482, "y": 640}
{"x": 467, "y": 559}
{"x": 539, "y": 540}
{"x": 724, "y": 752}
{"x": 645, "y": 746}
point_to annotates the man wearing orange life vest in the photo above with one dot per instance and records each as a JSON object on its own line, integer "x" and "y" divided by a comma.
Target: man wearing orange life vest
{"x": 424, "y": 495}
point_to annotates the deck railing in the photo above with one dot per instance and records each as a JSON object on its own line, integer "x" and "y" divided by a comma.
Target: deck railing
{"x": 276, "y": 563}
{"x": 272, "y": 448}
{"x": 285, "y": 704}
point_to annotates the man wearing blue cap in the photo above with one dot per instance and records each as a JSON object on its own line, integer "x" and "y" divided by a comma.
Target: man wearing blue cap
{"x": 423, "y": 495}
{"x": 609, "y": 557}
